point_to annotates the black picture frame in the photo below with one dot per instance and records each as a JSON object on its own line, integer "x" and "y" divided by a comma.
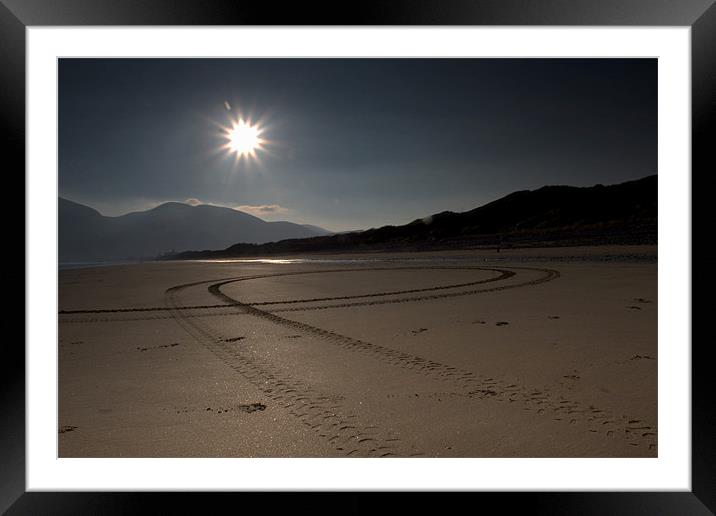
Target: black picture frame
{"x": 700, "y": 15}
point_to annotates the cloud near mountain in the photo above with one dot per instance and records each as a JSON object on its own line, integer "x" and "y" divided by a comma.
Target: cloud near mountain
{"x": 262, "y": 209}
{"x": 257, "y": 210}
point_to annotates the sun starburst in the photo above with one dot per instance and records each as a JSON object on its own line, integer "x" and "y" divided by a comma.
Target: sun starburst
{"x": 243, "y": 138}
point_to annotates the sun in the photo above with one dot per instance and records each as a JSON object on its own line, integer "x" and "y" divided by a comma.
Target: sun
{"x": 243, "y": 138}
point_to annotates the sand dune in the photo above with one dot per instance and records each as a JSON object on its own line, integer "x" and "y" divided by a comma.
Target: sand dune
{"x": 453, "y": 354}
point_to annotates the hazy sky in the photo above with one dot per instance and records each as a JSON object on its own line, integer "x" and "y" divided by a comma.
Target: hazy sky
{"x": 352, "y": 143}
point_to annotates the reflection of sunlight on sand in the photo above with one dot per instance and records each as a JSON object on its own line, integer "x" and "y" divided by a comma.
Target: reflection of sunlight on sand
{"x": 283, "y": 261}
{"x": 256, "y": 260}
{"x": 606, "y": 254}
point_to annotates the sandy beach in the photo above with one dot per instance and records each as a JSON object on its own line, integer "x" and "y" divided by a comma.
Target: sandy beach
{"x": 521, "y": 353}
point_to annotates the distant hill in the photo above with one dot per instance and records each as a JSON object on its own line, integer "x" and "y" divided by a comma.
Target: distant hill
{"x": 319, "y": 231}
{"x": 625, "y": 213}
{"x": 87, "y": 235}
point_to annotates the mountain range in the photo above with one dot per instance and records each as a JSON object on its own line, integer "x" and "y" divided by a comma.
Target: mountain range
{"x": 624, "y": 213}
{"x": 85, "y": 235}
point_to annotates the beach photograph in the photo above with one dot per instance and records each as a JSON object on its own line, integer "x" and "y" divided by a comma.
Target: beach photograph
{"x": 357, "y": 258}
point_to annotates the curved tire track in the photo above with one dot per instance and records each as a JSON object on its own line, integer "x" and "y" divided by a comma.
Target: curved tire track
{"x": 541, "y": 401}
{"x": 504, "y": 274}
{"x": 323, "y": 413}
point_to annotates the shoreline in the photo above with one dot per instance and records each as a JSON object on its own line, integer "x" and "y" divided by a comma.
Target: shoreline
{"x": 629, "y": 253}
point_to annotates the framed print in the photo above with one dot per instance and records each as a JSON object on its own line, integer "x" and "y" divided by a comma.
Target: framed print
{"x": 430, "y": 247}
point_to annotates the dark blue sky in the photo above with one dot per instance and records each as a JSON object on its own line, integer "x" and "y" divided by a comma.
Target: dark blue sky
{"x": 354, "y": 143}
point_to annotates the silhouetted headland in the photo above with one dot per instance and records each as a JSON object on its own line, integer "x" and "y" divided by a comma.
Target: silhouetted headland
{"x": 621, "y": 214}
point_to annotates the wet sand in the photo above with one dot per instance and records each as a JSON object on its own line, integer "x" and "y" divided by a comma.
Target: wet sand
{"x": 522, "y": 353}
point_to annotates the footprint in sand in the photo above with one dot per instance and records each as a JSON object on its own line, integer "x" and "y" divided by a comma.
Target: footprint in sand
{"x": 158, "y": 347}
{"x": 253, "y": 407}
{"x": 641, "y": 357}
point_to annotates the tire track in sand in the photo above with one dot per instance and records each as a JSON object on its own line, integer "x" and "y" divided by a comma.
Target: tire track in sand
{"x": 541, "y": 401}
{"x": 504, "y": 274}
{"x": 321, "y": 412}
